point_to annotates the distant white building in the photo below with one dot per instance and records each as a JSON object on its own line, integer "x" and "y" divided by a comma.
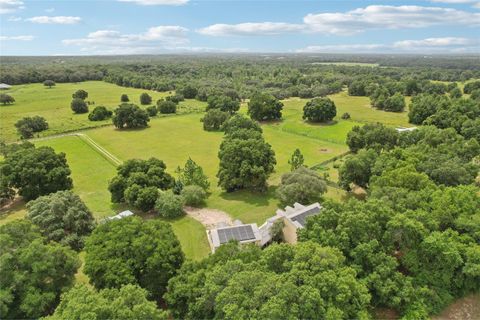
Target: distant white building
{"x": 4, "y": 86}
{"x": 121, "y": 215}
{"x": 402, "y": 129}
{"x": 293, "y": 218}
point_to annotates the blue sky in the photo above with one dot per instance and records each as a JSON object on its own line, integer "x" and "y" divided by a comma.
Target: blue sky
{"x": 176, "y": 26}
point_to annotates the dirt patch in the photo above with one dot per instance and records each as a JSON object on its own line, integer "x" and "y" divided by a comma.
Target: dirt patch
{"x": 466, "y": 308}
{"x": 325, "y": 150}
{"x": 209, "y": 217}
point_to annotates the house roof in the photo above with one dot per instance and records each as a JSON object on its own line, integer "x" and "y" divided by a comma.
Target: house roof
{"x": 5, "y": 86}
{"x": 244, "y": 233}
{"x": 299, "y": 213}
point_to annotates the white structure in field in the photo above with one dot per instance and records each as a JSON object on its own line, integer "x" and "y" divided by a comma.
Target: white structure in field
{"x": 402, "y": 129}
{"x": 123, "y": 214}
{"x": 293, "y": 218}
{"x": 4, "y": 86}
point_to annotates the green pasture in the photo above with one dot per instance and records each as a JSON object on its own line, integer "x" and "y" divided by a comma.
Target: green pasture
{"x": 176, "y": 138}
{"x": 54, "y": 105}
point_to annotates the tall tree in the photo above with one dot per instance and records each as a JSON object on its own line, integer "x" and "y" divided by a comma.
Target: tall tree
{"x": 130, "y": 116}
{"x": 128, "y": 302}
{"x": 32, "y": 274}
{"x": 36, "y": 171}
{"x": 264, "y": 107}
{"x": 62, "y": 217}
{"x": 296, "y": 161}
{"x": 302, "y": 185}
{"x": 319, "y": 110}
{"x": 133, "y": 251}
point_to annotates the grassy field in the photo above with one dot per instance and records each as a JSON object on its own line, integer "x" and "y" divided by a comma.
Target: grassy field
{"x": 54, "y": 105}
{"x": 176, "y": 138}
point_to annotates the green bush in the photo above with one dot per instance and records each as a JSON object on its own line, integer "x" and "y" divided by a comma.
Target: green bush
{"x": 166, "y": 106}
{"x": 169, "y": 205}
{"x": 194, "y": 195}
{"x": 99, "y": 113}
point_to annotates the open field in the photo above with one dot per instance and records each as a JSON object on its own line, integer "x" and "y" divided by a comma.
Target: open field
{"x": 176, "y": 138}
{"x": 54, "y": 105}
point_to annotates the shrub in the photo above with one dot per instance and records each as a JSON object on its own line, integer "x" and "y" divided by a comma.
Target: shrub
{"x": 152, "y": 111}
{"x": 145, "y": 98}
{"x": 395, "y": 103}
{"x": 165, "y": 106}
{"x": 124, "y": 98}
{"x": 99, "y": 113}
{"x": 6, "y": 99}
{"x": 79, "y": 106}
{"x": 346, "y": 116}
{"x": 224, "y": 103}
{"x": 189, "y": 92}
{"x": 214, "y": 120}
{"x": 80, "y": 94}
{"x": 49, "y": 83}
{"x": 193, "y": 195}
{"x": 169, "y": 205}
{"x": 175, "y": 99}
{"x": 27, "y": 126}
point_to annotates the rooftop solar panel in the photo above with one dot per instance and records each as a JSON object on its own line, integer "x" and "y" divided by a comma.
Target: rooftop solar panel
{"x": 240, "y": 233}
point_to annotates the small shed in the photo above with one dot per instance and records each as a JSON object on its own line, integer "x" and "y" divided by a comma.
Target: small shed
{"x": 4, "y": 86}
{"x": 123, "y": 214}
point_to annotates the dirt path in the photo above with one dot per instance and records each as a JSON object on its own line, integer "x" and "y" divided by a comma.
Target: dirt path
{"x": 208, "y": 217}
{"x": 466, "y": 308}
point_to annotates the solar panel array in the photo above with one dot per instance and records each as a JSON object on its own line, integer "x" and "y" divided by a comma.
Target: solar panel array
{"x": 302, "y": 217}
{"x": 240, "y": 233}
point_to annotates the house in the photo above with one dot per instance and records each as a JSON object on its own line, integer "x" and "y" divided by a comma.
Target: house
{"x": 243, "y": 233}
{"x": 4, "y": 86}
{"x": 293, "y": 218}
{"x": 121, "y": 215}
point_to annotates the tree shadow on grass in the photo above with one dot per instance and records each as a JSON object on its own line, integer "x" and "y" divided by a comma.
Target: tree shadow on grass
{"x": 321, "y": 124}
{"x": 257, "y": 199}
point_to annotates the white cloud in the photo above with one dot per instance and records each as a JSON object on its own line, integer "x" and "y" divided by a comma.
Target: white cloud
{"x": 428, "y": 45}
{"x": 113, "y": 42}
{"x": 251, "y": 28}
{"x": 433, "y": 42}
{"x": 353, "y": 21}
{"x": 9, "y": 6}
{"x": 476, "y": 5}
{"x": 16, "y": 38}
{"x": 55, "y": 20}
{"x": 389, "y": 17}
{"x": 157, "y": 2}
{"x": 453, "y": 1}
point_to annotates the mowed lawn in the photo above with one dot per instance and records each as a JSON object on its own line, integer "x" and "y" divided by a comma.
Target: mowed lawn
{"x": 54, "y": 105}
{"x": 90, "y": 174}
{"x": 174, "y": 139}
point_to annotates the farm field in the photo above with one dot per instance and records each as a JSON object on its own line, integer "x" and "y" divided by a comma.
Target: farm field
{"x": 176, "y": 138}
{"x": 54, "y": 105}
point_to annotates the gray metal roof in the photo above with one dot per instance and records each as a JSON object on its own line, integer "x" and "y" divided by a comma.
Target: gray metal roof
{"x": 301, "y": 218}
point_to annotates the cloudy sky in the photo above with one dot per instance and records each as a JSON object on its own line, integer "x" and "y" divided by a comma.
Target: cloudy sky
{"x": 176, "y": 26}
